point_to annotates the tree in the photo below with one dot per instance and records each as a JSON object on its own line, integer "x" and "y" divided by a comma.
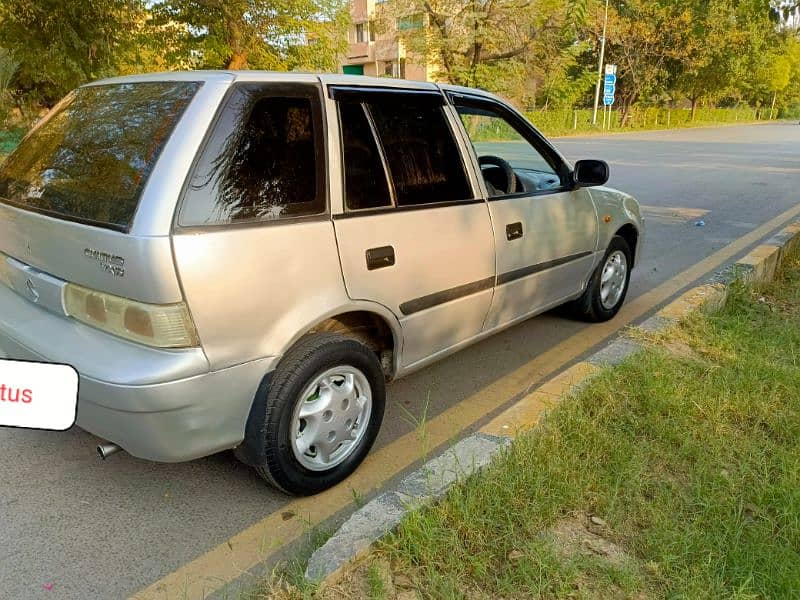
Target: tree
{"x": 645, "y": 39}
{"x": 60, "y": 45}
{"x": 708, "y": 66}
{"x": 483, "y": 43}
{"x": 263, "y": 34}
{"x": 8, "y": 68}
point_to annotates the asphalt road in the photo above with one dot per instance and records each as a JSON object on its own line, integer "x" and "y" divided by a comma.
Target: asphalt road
{"x": 106, "y": 530}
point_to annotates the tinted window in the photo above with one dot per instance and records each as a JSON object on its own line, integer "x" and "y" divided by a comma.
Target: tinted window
{"x": 423, "y": 158}
{"x": 264, "y": 160}
{"x": 89, "y": 160}
{"x": 364, "y": 176}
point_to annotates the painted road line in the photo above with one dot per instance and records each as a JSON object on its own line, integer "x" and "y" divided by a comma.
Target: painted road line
{"x": 261, "y": 541}
{"x": 527, "y": 412}
{"x": 711, "y": 295}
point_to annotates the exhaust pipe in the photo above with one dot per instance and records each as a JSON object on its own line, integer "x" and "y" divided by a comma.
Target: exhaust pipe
{"x": 106, "y": 449}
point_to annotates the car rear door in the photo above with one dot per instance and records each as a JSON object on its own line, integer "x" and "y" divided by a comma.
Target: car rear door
{"x": 414, "y": 235}
{"x": 545, "y": 232}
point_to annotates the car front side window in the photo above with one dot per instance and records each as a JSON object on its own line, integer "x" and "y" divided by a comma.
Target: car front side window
{"x": 510, "y": 163}
{"x": 422, "y": 156}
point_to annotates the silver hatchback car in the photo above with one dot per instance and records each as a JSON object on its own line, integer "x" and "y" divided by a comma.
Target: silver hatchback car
{"x": 243, "y": 259}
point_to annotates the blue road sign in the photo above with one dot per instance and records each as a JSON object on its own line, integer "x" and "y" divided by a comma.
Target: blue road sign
{"x": 609, "y": 88}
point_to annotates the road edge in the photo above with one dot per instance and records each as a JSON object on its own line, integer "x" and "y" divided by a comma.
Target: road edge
{"x": 432, "y": 480}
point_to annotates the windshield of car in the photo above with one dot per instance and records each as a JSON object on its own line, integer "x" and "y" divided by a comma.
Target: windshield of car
{"x": 90, "y": 158}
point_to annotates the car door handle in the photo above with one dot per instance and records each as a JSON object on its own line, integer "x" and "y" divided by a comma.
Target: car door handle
{"x": 514, "y": 231}
{"x": 380, "y": 258}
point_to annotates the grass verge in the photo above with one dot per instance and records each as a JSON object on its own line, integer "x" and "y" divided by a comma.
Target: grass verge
{"x": 676, "y": 474}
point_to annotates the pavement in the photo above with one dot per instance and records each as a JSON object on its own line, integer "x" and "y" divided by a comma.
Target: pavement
{"x": 74, "y": 527}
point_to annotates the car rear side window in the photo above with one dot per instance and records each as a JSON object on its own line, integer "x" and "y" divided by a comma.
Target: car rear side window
{"x": 364, "y": 175}
{"x": 89, "y": 160}
{"x": 423, "y": 158}
{"x": 264, "y": 161}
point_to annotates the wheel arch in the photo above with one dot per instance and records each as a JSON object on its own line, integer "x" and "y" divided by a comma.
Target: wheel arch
{"x": 372, "y": 323}
{"x": 369, "y": 327}
{"x": 630, "y": 234}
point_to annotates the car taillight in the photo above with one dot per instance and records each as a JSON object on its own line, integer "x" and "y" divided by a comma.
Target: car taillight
{"x": 157, "y": 325}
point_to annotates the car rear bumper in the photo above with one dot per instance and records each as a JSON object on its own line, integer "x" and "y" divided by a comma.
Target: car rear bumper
{"x": 158, "y": 405}
{"x": 207, "y": 413}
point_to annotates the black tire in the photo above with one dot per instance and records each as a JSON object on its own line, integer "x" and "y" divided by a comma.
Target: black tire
{"x": 589, "y": 307}
{"x": 308, "y": 359}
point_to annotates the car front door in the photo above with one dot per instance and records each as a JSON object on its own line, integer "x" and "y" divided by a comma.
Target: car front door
{"x": 414, "y": 236}
{"x": 545, "y": 231}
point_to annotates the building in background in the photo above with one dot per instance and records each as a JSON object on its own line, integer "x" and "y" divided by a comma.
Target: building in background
{"x": 382, "y": 54}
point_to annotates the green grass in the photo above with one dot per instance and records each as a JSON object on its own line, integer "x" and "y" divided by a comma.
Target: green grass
{"x": 375, "y": 585}
{"x": 692, "y": 459}
{"x": 557, "y": 122}
{"x": 288, "y": 579}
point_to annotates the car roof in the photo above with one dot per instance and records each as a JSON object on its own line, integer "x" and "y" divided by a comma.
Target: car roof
{"x": 325, "y": 78}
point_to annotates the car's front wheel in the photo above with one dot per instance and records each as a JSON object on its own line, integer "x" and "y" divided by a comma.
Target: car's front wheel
{"x": 324, "y": 407}
{"x": 608, "y": 285}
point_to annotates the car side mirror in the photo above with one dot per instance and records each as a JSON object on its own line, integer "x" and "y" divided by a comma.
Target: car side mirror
{"x": 589, "y": 173}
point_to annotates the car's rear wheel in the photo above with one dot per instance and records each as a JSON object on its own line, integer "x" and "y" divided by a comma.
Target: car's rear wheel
{"x": 608, "y": 286}
{"x": 324, "y": 407}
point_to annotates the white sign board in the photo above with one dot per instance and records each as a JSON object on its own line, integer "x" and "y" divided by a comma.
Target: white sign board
{"x": 38, "y": 395}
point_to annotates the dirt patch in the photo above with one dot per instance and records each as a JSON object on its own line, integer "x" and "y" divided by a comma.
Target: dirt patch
{"x": 584, "y": 535}
{"x": 371, "y": 578}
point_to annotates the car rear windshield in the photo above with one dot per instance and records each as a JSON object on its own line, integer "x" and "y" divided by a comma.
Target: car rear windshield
{"x": 89, "y": 160}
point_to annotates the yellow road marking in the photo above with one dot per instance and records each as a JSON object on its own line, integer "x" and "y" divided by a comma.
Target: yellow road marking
{"x": 526, "y": 413}
{"x": 709, "y": 295}
{"x": 256, "y": 544}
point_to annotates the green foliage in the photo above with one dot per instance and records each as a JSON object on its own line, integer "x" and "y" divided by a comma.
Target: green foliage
{"x": 60, "y": 45}
{"x": 262, "y": 34}
{"x": 570, "y": 122}
{"x": 537, "y": 53}
{"x": 8, "y": 68}
{"x": 544, "y": 54}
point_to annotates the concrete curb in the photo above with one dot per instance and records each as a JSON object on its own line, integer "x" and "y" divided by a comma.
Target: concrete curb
{"x": 431, "y": 481}
{"x": 382, "y": 514}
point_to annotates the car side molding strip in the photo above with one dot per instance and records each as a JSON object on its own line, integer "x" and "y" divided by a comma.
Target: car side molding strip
{"x": 510, "y": 276}
{"x": 431, "y": 300}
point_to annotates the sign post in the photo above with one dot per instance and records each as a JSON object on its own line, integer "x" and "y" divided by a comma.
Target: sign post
{"x": 600, "y": 67}
{"x": 609, "y": 90}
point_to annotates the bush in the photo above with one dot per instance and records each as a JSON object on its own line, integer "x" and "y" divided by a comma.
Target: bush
{"x": 563, "y": 121}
